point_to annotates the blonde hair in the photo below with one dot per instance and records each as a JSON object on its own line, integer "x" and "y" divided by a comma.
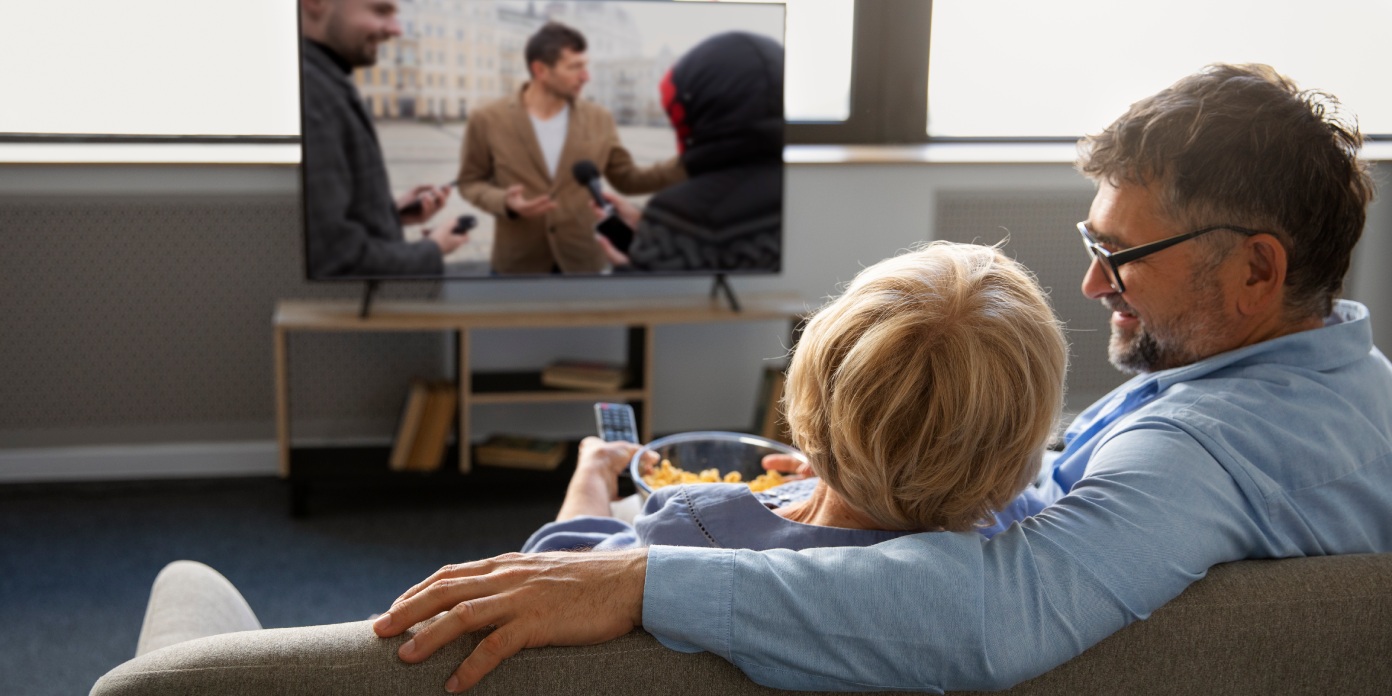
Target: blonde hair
{"x": 924, "y": 395}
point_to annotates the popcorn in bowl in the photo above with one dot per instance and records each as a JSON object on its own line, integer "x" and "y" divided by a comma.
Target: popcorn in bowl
{"x": 708, "y": 456}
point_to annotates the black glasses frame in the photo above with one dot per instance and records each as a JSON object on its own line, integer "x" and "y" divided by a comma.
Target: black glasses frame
{"x": 1112, "y": 261}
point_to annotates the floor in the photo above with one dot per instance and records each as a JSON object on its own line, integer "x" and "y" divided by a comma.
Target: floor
{"x": 76, "y": 560}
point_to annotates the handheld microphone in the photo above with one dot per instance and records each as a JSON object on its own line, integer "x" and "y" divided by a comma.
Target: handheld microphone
{"x": 619, "y": 233}
{"x": 587, "y": 174}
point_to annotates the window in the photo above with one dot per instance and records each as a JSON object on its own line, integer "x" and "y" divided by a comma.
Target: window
{"x": 203, "y": 80}
{"x": 1065, "y": 68}
{"x": 839, "y": 80}
{"x": 874, "y": 89}
{"x": 818, "y": 60}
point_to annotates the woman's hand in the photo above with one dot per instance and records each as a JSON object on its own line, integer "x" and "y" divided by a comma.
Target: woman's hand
{"x": 595, "y": 483}
{"x": 627, "y": 212}
{"x": 790, "y": 466}
{"x": 604, "y": 460}
{"x": 616, "y": 258}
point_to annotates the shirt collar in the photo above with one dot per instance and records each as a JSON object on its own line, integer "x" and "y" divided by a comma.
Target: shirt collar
{"x": 338, "y": 60}
{"x": 1346, "y": 336}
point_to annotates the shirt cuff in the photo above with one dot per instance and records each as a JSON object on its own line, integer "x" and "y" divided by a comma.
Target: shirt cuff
{"x": 688, "y": 598}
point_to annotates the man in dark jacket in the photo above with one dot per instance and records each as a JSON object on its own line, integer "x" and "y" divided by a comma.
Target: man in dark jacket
{"x": 354, "y": 224}
{"x": 725, "y": 100}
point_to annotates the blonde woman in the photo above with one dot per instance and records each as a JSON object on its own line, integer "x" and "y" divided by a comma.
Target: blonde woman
{"x": 922, "y": 396}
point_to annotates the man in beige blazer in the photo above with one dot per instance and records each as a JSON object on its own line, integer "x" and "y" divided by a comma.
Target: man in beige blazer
{"x": 519, "y": 151}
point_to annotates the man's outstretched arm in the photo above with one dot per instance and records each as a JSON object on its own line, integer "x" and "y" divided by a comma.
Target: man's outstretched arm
{"x": 927, "y": 612}
{"x": 533, "y": 600}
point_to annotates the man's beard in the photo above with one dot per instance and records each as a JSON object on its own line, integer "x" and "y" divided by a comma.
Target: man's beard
{"x": 555, "y": 88}
{"x": 359, "y": 53}
{"x": 1187, "y": 338}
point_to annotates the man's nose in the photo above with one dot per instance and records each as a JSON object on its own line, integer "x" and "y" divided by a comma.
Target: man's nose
{"x": 1095, "y": 283}
{"x": 393, "y": 27}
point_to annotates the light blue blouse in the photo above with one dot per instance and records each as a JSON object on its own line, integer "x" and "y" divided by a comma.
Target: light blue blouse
{"x": 709, "y": 515}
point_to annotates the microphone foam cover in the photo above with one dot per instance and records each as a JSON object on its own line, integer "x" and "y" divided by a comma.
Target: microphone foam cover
{"x": 585, "y": 171}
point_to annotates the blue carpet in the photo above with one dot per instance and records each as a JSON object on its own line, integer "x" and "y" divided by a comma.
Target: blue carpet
{"x": 77, "y": 560}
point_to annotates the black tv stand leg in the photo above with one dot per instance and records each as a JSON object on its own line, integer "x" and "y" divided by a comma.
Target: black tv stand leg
{"x": 368, "y": 292}
{"x": 722, "y": 284}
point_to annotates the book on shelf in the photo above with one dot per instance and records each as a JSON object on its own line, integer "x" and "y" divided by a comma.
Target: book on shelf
{"x": 584, "y": 375}
{"x": 423, "y": 430}
{"x": 436, "y": 424}
{"x": 408, "y": 425}
{"x": 520, "y": 452}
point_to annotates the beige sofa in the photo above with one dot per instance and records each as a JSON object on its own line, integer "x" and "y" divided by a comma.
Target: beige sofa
{"x": 1298, "y": 626}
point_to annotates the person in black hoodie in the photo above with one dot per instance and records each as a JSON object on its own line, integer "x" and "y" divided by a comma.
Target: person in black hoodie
{"x": 725, "y": 100}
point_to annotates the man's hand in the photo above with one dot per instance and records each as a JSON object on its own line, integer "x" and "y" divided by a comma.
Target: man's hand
{"x": 533, "y": 600}
{"x": 421, "y": 203}
{"x": 445, "y": 238}
{"x": 518, "y": 203}
{"x": 627, "y": 211}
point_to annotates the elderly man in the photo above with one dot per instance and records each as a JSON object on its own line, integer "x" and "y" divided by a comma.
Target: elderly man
{"x": 1259, "y": 425}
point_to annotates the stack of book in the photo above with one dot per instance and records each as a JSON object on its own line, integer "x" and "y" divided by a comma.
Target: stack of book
{"x": 423, "y": 431}
{"x": 520, "y": 452}
{"x": 584, "y": 375}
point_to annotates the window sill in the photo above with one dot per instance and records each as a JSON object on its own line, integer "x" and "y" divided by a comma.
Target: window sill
{"x": 289, "y": 154}
{"x": 149, "y": 153}
{"x": 932, "y": 153}
{"x": 972, "y": 153}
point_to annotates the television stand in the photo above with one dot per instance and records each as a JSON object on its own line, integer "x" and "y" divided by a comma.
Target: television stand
{"x": 639, "y": 319}
{"x": 722, "y": 284}
{"x": 368, "y": 292}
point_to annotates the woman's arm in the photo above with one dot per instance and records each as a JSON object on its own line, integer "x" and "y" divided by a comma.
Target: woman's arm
{"x": 595, "y": 483}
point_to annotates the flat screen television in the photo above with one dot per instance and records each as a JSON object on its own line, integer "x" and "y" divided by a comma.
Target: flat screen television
{"x": 673, "y": 109}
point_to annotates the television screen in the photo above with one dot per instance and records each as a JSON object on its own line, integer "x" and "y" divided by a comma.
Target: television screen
{"x": 521, "y": 138}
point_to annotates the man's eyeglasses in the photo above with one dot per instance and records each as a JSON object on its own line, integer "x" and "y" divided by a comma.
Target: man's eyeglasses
{"x": 1111, "y": 261}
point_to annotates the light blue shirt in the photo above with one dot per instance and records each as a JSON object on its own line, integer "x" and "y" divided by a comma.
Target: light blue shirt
{"x": 1279, "y": 449}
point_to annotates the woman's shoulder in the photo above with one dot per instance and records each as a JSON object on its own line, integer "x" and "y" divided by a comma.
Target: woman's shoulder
{"x": 691, "y": 514}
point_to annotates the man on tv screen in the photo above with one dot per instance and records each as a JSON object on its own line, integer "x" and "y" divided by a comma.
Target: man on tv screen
{"x": 353, "y": 223}
{"x": 519, "y": 153}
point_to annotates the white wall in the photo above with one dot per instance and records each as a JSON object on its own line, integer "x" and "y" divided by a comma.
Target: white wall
{"x": 839, "y": 219}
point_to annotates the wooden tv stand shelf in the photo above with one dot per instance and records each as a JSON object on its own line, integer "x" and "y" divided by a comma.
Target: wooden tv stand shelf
{"x": 638, "y": 317}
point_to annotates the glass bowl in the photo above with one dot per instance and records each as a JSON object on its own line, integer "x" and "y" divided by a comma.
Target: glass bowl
{"x": 709, "y": 449}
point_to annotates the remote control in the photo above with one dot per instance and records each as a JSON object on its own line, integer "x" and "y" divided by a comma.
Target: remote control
{"x": 616, "y": 422}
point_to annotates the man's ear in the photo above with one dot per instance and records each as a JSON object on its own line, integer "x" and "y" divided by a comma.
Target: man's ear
{"x": 313, "y": 10}
{"x": 1264, "y": 275}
